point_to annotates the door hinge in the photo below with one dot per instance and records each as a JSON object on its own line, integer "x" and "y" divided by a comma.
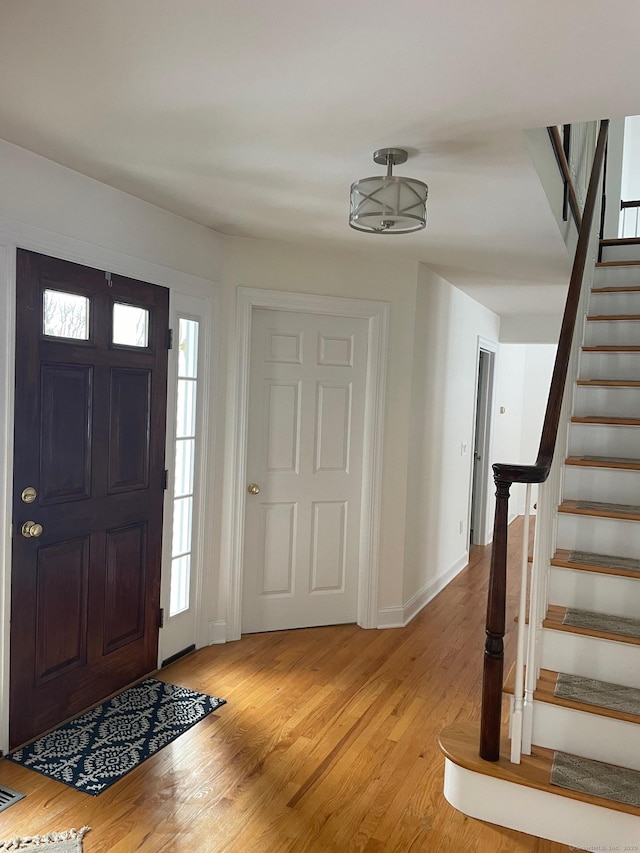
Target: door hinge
{"x": 169, "y": 338}
{"x": 107, "y": 276}
{"x": 165, "y": 479}
{"x": 161, "y": 618}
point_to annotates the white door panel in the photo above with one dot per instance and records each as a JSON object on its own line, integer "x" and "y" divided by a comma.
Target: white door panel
{"x": 306, "y": 418}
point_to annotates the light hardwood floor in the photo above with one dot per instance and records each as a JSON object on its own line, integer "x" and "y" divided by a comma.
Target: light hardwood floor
{"x": 328, "y": 743}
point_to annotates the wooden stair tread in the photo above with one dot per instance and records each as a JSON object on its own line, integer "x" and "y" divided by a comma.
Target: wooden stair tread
{"x": 616, "y": 289}
{"x": 604, "y": 462}
{"x": 605, "y": 348}
{"x": 619, "y": 241}
{"x": 609, "y": 383}
{"x": 596, "y": 563}
{"x": 605, "y": 419}
{"x": 555, "y": 621}
{"x": 606, "y": 264}
{"x": 459, "y": 743}
{"x": 595, "y": 318}
{"x": 544, "y": 692}
{"x": 601, "y": 509}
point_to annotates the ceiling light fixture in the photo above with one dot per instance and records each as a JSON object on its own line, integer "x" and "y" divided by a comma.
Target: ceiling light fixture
{"x": 388, "y": 204}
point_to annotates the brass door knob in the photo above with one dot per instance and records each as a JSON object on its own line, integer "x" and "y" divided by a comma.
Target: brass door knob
{"x": 29, "y": 495}
{"x": 31, "y": 530}
{"x": 253, "y": 488}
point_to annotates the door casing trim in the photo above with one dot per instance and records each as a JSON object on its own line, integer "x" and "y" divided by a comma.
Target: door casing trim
{"x": 12, "y": 235}
{"x": 377, "y": 315}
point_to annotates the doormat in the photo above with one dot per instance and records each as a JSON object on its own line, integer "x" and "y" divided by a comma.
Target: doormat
{"x": 54, "y": 842}
{"x": 99, "y": 747}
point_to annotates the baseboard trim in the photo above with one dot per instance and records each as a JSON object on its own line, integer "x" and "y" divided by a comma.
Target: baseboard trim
{"x": 399, "y": 617}
{"x": 217, "y": 632}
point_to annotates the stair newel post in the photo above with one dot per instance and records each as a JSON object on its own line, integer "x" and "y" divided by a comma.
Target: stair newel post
{"x": 492, "y": 679}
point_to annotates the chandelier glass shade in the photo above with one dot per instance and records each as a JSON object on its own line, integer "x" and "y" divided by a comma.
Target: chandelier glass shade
{"x": 388, "y": 204}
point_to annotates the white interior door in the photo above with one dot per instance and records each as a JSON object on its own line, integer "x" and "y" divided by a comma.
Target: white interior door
{"x": 306, "y": 417}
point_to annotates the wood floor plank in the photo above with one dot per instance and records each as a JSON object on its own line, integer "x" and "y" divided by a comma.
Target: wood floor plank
{"x": 328, "y": 742}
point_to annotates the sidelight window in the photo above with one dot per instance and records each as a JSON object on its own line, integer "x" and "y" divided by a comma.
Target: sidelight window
{"x": 184, "y": 471}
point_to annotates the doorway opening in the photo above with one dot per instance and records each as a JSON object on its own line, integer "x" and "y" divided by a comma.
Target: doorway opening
{"x": 481, "y": 476}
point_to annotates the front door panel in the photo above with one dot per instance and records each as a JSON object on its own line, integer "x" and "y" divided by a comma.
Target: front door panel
{"x": 91, "y": 366}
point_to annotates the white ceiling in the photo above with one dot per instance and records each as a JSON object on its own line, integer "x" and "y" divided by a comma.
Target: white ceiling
{"x": 253, "y": 117}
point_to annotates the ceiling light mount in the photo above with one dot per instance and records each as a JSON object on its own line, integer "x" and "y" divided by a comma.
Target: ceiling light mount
{"x": 388, "y": 204}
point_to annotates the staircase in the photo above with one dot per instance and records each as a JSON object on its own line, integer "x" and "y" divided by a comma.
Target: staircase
{"x": 587, "y": 700}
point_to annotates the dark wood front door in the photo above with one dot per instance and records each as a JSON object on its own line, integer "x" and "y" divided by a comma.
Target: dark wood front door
{"x": 90, "y": 407}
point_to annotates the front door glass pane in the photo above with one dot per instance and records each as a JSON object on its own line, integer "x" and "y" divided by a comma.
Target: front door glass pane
{"x": 65, "y": 315}
{"x": 130, "y": 325}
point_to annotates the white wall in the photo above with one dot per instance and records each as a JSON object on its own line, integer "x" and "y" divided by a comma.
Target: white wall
{"x": 282, "y": 266}
{"x": 447, "y": 326}
{"x": 50, "y": 209}
{"x": 523, "y": 378}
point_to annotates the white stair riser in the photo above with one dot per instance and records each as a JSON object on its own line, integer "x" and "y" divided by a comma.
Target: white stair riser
{"x": 623, "y": 302}
{"x": 598, "y": 535}
{"x": 591, "y": 657}
{"x": 597, "y": 591}
{"x": 589, "y": 735}
{"x": 628, "y": 252}
{"x": 609, "y": 365}
{"x": 608, "y": 485}
{"x": 625, "y": 276}
{"x": 612, "y": 333}
{"x": 615, "y": 401}
{"x": 539, "y": 813}
{"x": 604, "y": 440}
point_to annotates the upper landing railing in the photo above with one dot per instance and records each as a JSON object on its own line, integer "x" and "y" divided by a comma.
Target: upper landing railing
{"x": 505, "y": 475}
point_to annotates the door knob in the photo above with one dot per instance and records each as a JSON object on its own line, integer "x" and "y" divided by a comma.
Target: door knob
{"x": 253, "y": 488}
{"x": 31, "y": 530}
{"x": 29, "y": 495}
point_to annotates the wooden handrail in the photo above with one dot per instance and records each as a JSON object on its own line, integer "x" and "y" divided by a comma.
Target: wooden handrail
{"x": 505, "y": 475}
{"x": 561, "y": 157}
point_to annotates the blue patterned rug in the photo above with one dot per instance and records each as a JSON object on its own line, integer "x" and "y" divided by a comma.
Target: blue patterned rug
{"x": 96, "y": 749}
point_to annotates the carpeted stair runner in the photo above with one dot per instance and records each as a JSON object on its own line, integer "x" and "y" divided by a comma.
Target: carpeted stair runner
{"x": 605, "y": 623}
{"x": 590, "y": 691}
{"x": 596, "y": 778}
{"x": 622, "y": 509}
{"x": 585, "y": 558}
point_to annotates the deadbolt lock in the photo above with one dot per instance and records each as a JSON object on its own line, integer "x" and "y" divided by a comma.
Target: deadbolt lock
{"x": 31, "y": 530}
{"x": 29, "y": 495}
